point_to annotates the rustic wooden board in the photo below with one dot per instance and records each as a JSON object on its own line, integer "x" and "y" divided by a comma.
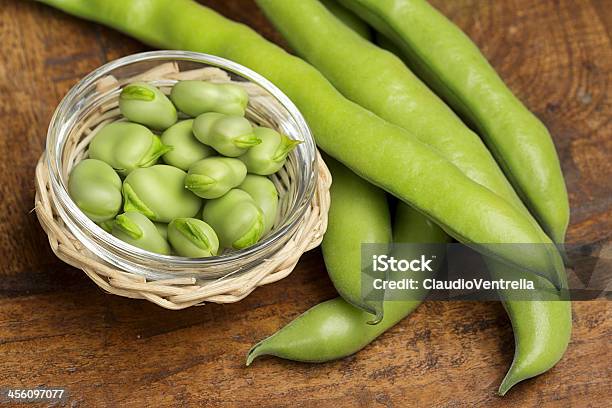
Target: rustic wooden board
{"x": 57, "y": 328}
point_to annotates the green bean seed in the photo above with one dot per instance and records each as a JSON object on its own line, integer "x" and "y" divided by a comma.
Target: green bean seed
{"x": 197, "y": 97}
{"x": 96, "y": 189}
{"x": 159, "y": 193}
{"x": 186, "y": 149}
{"x": 269, "y": 156}
{"x": 126, "y": 146}
{"x": 193, "y": 238}
{"x": 264, "y": 193}
{"x": 162, "y": 228}
{"x": 213, "y": 177}
{"x": 145, "y": 104}
{"x": 136, "y": 229}
{"x": 229, "y": 135}
{"x": 236, "y": 219}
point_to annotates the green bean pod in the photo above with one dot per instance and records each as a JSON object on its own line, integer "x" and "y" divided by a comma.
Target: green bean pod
{"x": 358, "y": 214}
{"x": 146, "y": 104}
{"x": 542, "y": 326}
{"x": 214, "y": 176}
{"x": 136, "y": 229}
{"x": 270, "y": 155}
{"x": 193, "y": 238}
{"x": 404, "y": 100}
{"x": 229, "y": 135}
{"x": 197, "y": 97}
{"x": 401, "y": 165}
{"x": 235, "y": 218}
{"x": 453, "y": 65}
{"x": 159, "y": 193}
{"x": 336, "y": 329}
{"x": 96, "y": 189}
{"x": 186, "y": 149}
{"x": 348, "y": 18}
{"x": 264, "y": 193}
{"x": 126, "y": 146}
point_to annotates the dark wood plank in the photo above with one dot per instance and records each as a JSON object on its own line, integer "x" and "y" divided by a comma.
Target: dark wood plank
{"x": 58, "y": 328}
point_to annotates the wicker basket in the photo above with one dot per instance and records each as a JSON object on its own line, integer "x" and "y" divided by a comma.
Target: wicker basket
{"x": 181, "y": 291}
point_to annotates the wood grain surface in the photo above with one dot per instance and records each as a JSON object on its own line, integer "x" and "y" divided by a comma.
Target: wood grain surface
{"x": 58, "y": 329}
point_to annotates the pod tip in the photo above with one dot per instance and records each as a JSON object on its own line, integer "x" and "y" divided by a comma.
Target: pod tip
{"x": 253, "y": 354}
{"x": 378, "y": 316}
{"x": 509, "y": 381}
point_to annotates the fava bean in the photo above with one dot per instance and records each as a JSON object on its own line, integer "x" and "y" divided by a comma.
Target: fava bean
{"x": 229, "y": 135}
{"x": 159, "y": 193}
{"x": 269, "y": 156}
{"x": 197, "y": 97}
{"x": 95, "y": 188}
{"x": 126, "y": 146}
{"x": 146, "y": 104}
{"x": 212, "y": 177}
{"x": 162, "y": 228}
{"x": 186, "y": 149}
{"x": 264, "y": 193}
{"x": 136, "y": 229}
{"x": 236, "y": 219}
{"x": 193, "y": 238}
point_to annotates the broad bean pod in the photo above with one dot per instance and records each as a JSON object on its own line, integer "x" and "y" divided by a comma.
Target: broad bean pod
{"x": 335, "y": 328}
{"x": 358, "y": 214}
{"x": 355, "y": 67}
{"x": 452, "y": 64}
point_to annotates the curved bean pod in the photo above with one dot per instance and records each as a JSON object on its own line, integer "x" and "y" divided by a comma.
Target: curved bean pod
{"x": 358, "y": 214}
{"x": 454, "y": 66}
{"x": 349, "y": 18}
{"x": 379, "y": 81}
{"x": 335, "y": 329}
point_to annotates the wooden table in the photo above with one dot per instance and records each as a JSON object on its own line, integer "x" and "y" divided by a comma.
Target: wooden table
{"x": 58, "y": 329}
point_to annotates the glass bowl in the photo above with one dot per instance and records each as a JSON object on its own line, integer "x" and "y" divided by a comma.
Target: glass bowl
{"x": 269, "y": 106}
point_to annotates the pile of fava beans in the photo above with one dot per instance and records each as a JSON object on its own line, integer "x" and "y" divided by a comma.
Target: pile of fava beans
{"x": 184, "y": 175}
